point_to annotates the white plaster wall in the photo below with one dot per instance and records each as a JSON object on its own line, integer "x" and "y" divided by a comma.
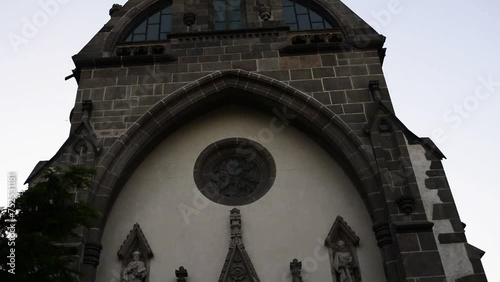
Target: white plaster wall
{"x": 454, "y": 256}
{"x": 290, "y": 221}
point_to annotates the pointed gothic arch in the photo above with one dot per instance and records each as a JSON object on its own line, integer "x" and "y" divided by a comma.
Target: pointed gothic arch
{"x": 330, "y": 131}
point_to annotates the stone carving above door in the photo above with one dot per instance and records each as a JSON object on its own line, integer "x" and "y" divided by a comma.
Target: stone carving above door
{"x": 234, "y": 171}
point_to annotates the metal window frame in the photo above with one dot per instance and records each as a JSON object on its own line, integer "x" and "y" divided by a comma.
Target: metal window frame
{"x": 132, "y": 34}
{"x": 309, "y": 10}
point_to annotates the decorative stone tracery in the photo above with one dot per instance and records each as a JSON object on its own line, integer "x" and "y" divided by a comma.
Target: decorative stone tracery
{"x": 234, "y": 171}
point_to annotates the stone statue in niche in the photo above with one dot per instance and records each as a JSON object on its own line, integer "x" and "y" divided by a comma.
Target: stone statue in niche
{"x": 135, "y": 270}
{"x": 345, "y": 265}
{"x": 235, "y": 177}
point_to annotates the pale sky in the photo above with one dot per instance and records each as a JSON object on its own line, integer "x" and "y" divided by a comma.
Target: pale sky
{"x": 442, "y": 69}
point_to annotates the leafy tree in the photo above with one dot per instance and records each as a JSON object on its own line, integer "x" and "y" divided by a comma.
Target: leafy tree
{"x": 43, "y": 217}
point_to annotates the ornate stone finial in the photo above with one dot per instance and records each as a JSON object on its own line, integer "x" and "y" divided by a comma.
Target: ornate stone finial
{"x": 235, "y": 221}
{"x": 181, "y": 274}
{"x": 189, "y": 18}
{"x": 296, "y": 269}
{"x": 115, "y": 8}
{"x": 265, "y": 12}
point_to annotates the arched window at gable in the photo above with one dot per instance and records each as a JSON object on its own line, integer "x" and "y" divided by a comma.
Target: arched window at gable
{"x": 156, "y": 27}
{"x": 299, "y": 17}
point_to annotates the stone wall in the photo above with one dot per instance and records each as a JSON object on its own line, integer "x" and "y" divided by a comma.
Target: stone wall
{"x": 339, "y": 80}
{"x": 461, "y": 261}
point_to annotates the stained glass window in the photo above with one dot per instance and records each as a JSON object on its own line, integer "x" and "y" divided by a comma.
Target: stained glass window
{"x": 228, "y": 14}
{"x": 299, "y": 17}
{"x": 156, "y": 27}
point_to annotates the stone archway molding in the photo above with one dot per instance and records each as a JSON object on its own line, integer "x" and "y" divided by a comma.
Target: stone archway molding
{"x": 132, "y": 147}
{"x": 122, "y": 158}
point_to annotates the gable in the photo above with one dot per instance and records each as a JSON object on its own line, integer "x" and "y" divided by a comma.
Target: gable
{"x": 335, "y": 14}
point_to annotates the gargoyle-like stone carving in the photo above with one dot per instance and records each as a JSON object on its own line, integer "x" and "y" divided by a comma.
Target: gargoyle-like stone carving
{"x": 237, "y": 266}
{"x": 134, "y": 254}
{"x": 296, "y": 269}
{"x": 341, "y": 241}
{"x": 115, "y": 8}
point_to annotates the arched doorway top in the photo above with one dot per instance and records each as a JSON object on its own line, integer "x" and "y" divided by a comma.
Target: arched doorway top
{"x": 170, "y": 113}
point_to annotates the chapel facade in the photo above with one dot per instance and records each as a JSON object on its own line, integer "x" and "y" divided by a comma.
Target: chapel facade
{"x": 253, "y": 140}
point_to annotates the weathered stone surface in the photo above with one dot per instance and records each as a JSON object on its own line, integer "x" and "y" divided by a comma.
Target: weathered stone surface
{"x": 323, "y": 72}
{"x": 329, "y": 60}
{"x": 351, "y": 70}
{"x": 248, "y": 65}
{"x": 115, "y": 93}
{"x": 307, "y": 85}
{"x": 268, "y": 64}
{"x": 422, "y": 264}
{"x": 340, "y": 83}
{"x": 408, "y": 242}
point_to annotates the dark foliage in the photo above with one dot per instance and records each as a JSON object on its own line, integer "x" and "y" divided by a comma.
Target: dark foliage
{"x": 43, "y": 217}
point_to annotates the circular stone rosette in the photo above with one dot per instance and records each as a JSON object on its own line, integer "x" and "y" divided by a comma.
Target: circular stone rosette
{"x": 234, "y": 171}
